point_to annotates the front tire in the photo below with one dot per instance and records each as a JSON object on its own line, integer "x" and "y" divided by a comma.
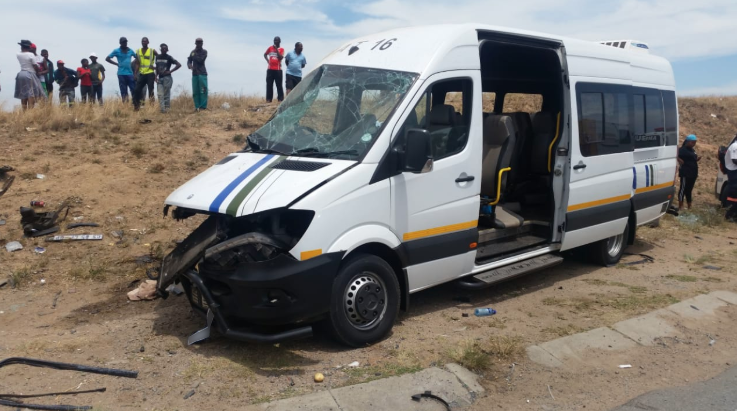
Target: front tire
{"x": 364, "y": 302}
{"x": 609, "y": 251}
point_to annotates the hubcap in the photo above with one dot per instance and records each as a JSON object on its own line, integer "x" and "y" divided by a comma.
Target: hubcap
{"x": 364, "y": 301}
{"x": 614, "y": 245}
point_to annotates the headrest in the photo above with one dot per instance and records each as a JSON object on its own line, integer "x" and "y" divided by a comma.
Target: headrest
{"x": 497, "y": 129}
{"x": 543, "y": 123}
{"x": 444, "y": 115}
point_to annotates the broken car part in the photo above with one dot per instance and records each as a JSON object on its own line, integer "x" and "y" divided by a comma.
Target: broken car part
{"x": 67, "y": 366}
{"x": 74, "y": 237}
{"x": 38, "y": 224}
{"x": 75, "y": 225}
{"x": 429, "y": 394}
{"x": 6, "y": 180}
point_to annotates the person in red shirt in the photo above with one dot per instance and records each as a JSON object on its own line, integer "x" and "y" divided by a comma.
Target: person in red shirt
{"x": 274, "y": 55}
{"x": 85, "y": 80}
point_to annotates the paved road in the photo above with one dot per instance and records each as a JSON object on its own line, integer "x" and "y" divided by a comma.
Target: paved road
{"x": 717, "y": 394}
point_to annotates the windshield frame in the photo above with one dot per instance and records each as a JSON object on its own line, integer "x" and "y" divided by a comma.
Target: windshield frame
{"x": 358, "y": 159}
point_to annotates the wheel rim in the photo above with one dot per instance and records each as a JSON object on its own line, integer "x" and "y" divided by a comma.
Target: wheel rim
{"x": 364, "y": 301}
{"x": 614, "y": 245}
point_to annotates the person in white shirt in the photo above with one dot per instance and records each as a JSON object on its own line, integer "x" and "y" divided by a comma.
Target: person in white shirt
{"x": 730, "y": 163}
{"x": 27, "y": 85}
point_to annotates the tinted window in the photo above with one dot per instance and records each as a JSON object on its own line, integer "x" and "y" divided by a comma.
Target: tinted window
{"x": 639, "y": 116}
{"x": 445, "y": 111}
{"x": 671, "y": 117}
{"x": 604, "y": 119}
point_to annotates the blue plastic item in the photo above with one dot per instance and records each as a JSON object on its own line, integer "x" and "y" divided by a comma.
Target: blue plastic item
{"x": 483, "y": 312}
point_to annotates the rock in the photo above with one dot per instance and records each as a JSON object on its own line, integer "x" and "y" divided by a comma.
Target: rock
{"x": 189, "y": 394}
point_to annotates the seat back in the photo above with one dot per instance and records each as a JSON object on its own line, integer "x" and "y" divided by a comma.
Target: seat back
{"x": 521, "y": 154}
{"x": 543, "y": 130}
{"x": 499, "y": 140}
{"x": 442, "y": 116}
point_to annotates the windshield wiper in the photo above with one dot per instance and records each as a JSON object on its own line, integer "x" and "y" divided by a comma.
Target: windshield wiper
{"x": 307, "y": 152}
{"x": 255, "y": 148}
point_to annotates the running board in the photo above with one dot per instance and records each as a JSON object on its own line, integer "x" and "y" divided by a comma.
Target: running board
{"x": 507, "y": 272}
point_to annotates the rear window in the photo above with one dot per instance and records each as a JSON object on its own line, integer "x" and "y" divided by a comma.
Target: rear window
{"x": 528, "y": 103}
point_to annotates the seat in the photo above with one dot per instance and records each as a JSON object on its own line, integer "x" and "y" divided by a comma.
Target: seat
{"x": 440, "y": 124}
{"x": 522, "y": 151}
{"x": 543, "y": 133}
{"x": 499, "y": 141}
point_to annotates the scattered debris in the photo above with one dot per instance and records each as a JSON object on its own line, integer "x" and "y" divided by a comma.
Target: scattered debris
{"x": 695, "y": 308}
{"x": 43, "y": 281}
{"x": 38, "y": 224}
{"x": 319, "y": 377}
{"x": 74, "y": 237}
{"x": 144, "y": 259}
{"x": 13, "y": 246}
{"x": 145, "y": 121}
{"x": 483, "y": 312}
{"x": 3, "y": 282}
{"x": 645, "y": 259}
{"x": 354, "y": 364}
{"x": 625, "y": 366}
{"x": 429, "y": 394}
{"x": 56, "y": 298}
{"x": 117, "y": 234}
{"x": 40, "y": 176}
{"x": 2, "y": 222}
{"x": 464, "y": 315}
{"x": 226, "y": 106}
{"x": 75, "y": 225}
{"x": 712, "y": 267}
{"x": 713, "y": 115}
{"x": 145, "y": 291}
{"x": 551, "y": 393}
{"x": 5, "y": 179}
{"x": 188, "y": 395}
{"x": 39, "y": 250}
{"x": 176, "y": 289}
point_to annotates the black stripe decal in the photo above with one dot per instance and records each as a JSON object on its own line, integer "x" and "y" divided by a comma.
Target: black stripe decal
{"x": 434, "y": 248}
{"x": 651, "y": 198}
{"x": 592, "y": 216}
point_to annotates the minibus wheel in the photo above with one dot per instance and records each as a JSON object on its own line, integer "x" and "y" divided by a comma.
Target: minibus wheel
{"x": 365, "y": 300}
{"x": 609, "y": 251}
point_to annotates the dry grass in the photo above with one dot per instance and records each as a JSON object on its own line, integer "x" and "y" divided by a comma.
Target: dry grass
{"x": 478, "y": 355}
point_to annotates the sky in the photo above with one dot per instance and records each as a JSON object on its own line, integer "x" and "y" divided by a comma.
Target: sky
{"x": 696, "y": 36}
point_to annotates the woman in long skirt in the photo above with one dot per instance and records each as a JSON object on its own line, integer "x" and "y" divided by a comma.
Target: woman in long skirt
{"x": 27, "y": 85}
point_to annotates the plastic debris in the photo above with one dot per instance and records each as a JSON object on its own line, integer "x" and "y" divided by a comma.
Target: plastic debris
{"x": 226, "y": 106}
{"x": 176, "y": 289}
{"x": 354, "y": 364}
{"x": 145, "y": 291}
{"x": 688, "y": 219}
{"x": 713, "y": 115}
{"x": 76, "y": 237}
{"x": 625, "y": 366}
{"x": 189, "y": 394}
{"x": 319, "y": 377}
{"x": 43, "y": 281}
{"x": 483, "y": 312}
{"x": 13, "y": 246}
{"x": 712, "y": 267}
{"x": 39, "y": 250}
{"x": 40, "y": 176}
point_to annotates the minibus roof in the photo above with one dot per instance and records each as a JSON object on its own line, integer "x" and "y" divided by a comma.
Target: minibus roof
{"x": 432, "y": 49}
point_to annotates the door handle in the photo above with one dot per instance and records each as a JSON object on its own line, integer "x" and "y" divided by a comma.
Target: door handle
{"x": 464, "y": 179}
{"x": 579, "y": 166}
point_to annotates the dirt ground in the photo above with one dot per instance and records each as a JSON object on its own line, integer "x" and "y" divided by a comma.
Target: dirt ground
{"x": 116, "y": 171}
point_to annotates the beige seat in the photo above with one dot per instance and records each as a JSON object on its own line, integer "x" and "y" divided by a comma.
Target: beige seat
{"x": 499, "y": 142}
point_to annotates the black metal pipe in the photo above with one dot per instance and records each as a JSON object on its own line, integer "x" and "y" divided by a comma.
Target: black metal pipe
{"x": 248, "y": 336}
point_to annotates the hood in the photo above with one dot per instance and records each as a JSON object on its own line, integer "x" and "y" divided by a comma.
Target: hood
{"x": 238, "y": 184}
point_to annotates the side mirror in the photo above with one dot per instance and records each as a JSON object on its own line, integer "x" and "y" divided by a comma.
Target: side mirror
{"x": 417, "y": 156}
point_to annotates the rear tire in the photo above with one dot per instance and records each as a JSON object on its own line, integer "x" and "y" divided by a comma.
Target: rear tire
{"x": 365, "y": 301}
{"x": 609, "y": 251}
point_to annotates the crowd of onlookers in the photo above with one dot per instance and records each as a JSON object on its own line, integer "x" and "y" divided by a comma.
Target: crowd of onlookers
{"x": 137, "y": 71}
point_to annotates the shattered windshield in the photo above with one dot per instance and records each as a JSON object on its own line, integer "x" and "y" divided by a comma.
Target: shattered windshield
{"x": 336, "y": 112}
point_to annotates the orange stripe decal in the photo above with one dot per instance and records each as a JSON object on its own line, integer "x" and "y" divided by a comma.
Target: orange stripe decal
{"x": 306, "y": 255}
{"x": 598, "y": 202}
{"x": 651, "y": 188}
{"x": 440, "y": 230}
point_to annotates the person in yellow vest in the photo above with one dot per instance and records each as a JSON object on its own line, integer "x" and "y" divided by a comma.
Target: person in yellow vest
{"x": 145, "y": 68}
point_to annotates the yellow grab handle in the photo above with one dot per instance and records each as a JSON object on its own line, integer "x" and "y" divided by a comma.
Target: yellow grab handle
{"x": 499, "y": 186}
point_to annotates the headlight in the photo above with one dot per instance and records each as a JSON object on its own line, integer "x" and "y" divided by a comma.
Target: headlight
{"x": 246, "y": 248}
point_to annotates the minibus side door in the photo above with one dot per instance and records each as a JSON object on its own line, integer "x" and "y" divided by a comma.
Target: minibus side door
{"x": 601, "y": 175}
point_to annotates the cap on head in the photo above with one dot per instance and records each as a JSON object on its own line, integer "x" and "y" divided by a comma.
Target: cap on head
{"x": 33, "y": 46}
{"x": 25, "y": 43}
{"x": 60, "y": 62}
{"x": 93, "y": 55}
{"x": 691, "y": 137}
{"x": 123, "y": 40}
{"x": 198, "y": 40}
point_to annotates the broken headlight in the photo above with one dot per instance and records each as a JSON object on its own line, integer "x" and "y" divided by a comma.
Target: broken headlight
{"x": 246, "y": 248}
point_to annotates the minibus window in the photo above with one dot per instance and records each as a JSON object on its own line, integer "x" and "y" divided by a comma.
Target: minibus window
{"x": 528, "y": 103}
{"x": 488, "y": 102}
{"x": 449, "y": 118}
{"x": 671, "y": 118}
{"x": 591, "y": 124}
{"x": 604, "y": 119}
{"x": 639, "y": 118}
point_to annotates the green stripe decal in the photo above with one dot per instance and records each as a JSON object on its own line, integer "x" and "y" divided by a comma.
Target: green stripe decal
{"x": 238, "y": 199}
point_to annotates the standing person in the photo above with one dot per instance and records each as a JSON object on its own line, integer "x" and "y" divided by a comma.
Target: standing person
{"x": 689, "y": 170}
{"x": 84, "y": 74}
{"x": 296, "y": 61}
{"x": 163, "y": 72}
{"x": 144, "y": 67}
{"x": 196, "y": 63}
{"x": 27, "y": 86}
{"x": 97, "y": 71}
{"x": 67, "y": 80}
{"x": 49, "y": 74}
{"x": 43, "y": 70}
{"x": 126, "y": 80}
{"x": 273, "y": 56}
{"x": 730, "y": 163}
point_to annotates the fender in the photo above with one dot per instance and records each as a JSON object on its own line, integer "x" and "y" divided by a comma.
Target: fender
{"x": 365, "y": 234}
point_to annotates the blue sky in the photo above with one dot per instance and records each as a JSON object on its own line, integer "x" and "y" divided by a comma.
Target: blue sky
{"x": 697, "y": 37}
